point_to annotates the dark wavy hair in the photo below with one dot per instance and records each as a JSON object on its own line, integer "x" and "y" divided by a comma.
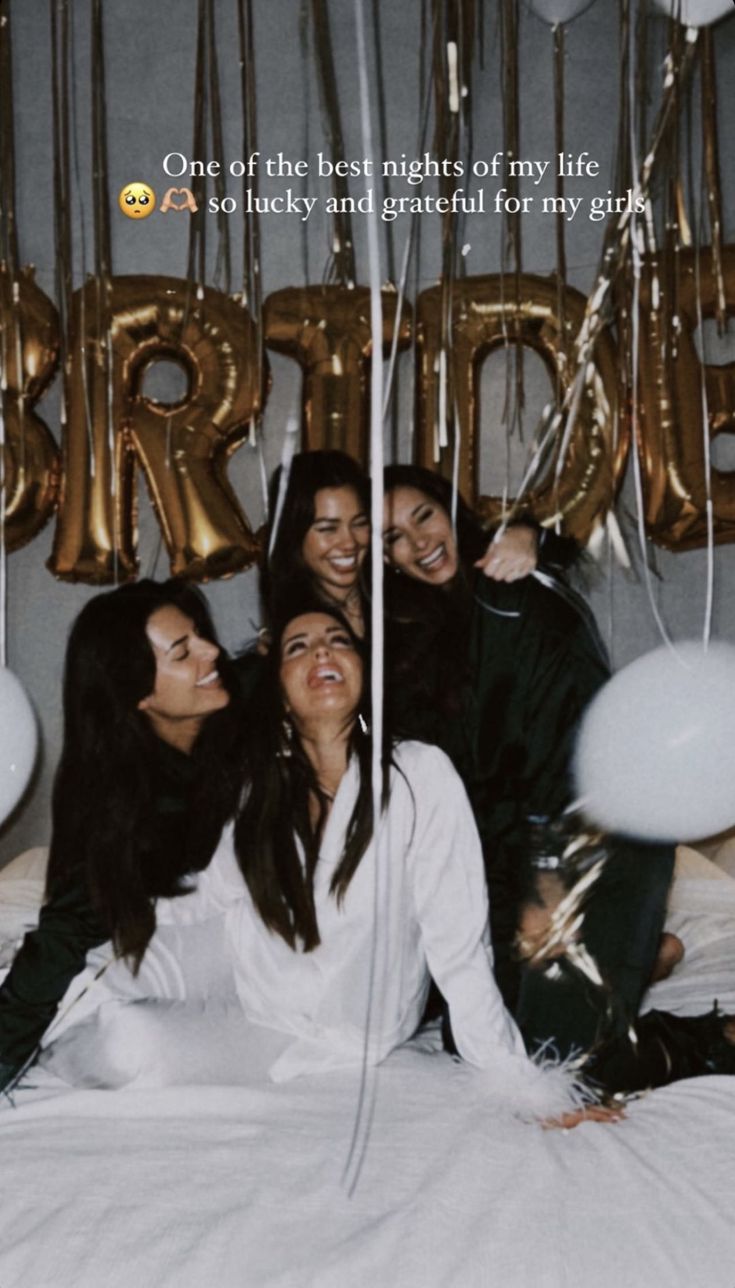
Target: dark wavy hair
{"x": 471, "y": 538}
{"x": 281, "y": 781}
{"x": 428, "y": 627}
{"x": 285, "y": 570}
{"x": 108, "y": 828}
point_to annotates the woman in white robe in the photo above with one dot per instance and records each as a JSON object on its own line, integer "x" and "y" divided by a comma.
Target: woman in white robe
{"x": 332, "y": 926}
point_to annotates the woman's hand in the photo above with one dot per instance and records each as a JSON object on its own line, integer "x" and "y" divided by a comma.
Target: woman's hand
{"x": 592, "y": 1114}
{"x": 512, "y": 556}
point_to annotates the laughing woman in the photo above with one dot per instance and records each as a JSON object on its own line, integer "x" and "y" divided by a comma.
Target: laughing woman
{"x": 149, "y": 771}
{"x": 319, "y": 918}
{"x": 499, "y": 675}
{"x": 324, "y": 532}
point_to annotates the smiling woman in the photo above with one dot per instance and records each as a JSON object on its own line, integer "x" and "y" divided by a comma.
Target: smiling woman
{"x": 304, "y": 931}
{"x": 149, "y": 771}
{"x": 419, "y": 538}
{"x": 499, "y": 675}
{"x": 188, "y": 685}
{"x": 322, "y": 537}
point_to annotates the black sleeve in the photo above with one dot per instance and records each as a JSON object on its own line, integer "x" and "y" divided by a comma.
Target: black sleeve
{"x": 45, "y": 965}
{"x": 556, "y": 553}
{"x": 539, "y": 661}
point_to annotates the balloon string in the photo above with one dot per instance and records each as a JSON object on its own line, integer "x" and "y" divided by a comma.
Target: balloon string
{"x": 3, "y": 549}
{"x": 290, "y": 443}
{"x": 305, "y": 51}
{"x": 252, "y": 282}
{"x": 412, "y": 243}
{"x": 8, "y": 226}
{"x": 343, "y": 251}
{"x": 62, "y": 195}
{"x": 697, "y": 210}
{"x": 373, "y": 1020}
{"x": 712, "y": 170}
{"x": 390, "y": 255}
{"x": 223, "y": 261}
{"x": 635, "y": 342}
{"x": 559, "y": 147}
{"x": 69, "y": 88}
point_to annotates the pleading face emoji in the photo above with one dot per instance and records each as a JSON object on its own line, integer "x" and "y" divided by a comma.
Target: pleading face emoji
{"x": 137, "y": 200}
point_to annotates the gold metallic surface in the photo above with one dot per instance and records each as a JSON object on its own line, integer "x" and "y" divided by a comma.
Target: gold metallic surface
{"x": 182, "y": 449}
{"x": 29, "y": 352}
{"x": 485, "y": 315}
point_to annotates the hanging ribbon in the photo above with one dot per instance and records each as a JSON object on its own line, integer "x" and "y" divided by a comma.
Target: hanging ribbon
{"x": 712, "y": 172}
{"x": 343, "y": 251}
{"x": 252, "y": 285}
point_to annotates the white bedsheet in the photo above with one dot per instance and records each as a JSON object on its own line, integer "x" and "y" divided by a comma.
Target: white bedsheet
{"x": 242, "y": 1188}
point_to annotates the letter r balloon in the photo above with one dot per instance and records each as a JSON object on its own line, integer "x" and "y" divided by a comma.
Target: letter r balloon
{"x": 112, "y": 428}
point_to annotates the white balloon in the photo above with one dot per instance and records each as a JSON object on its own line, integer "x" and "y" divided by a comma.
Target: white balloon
{"x": 655, "y": 755}
{"x": 558, "y": 11}
{"x": 694, "y": 13}
{"x": 18, "y": 741}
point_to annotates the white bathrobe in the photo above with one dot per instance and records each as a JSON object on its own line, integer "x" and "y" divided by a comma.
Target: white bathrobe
{"x": 416, "y": 905}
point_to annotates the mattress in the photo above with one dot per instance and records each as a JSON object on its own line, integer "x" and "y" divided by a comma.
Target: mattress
{"x": 261, "y": 1187}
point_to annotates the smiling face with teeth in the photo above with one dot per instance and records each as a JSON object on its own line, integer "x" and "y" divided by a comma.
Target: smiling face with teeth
{"x": 418, "y": 537}
{"x": 336, "y": 542}
{"x": 188, "y": 685}
{"x": 320, "y": 671}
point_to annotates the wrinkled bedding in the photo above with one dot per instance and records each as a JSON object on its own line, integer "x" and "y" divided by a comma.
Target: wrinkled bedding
{"x": 244, "y": 1187}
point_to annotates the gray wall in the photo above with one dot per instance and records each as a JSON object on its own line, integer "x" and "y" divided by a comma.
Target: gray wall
{"x": 150, "y": 61}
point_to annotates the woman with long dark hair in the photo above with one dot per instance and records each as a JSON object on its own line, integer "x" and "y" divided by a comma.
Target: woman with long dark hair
{"x": 333, "y": 921}
{"x": 149, "y": 771}
{"x": 323, "y": 534}
{"x": 499, "y": 675}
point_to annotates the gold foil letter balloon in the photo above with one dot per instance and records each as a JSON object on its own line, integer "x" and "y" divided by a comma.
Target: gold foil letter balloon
{"x": 672, "y": 432}
{"x": 183, "y": 449}
{"x": 326, "y": 329}
{"x": 485, "y": 316}
{"x": 29, "y": 350}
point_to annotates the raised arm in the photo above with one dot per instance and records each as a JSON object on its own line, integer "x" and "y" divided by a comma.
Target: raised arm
{"x": 518, "y": 550}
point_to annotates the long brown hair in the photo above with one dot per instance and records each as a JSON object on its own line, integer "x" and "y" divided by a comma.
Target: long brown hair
{"x": 285, "y": 570}
{"x": 275, "y": 811}
{"x": 109, "y": 831}
{"x": 428, "y": 627}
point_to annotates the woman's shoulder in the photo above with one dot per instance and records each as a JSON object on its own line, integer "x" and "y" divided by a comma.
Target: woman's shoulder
{"x": 422, "y": 762}
{"x": 538, "y": 602}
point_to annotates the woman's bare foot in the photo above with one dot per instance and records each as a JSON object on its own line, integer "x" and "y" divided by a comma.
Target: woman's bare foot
{"x": 670, "y": 953}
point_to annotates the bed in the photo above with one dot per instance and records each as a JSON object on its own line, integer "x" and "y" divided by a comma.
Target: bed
{"x": 237, "y": 1187}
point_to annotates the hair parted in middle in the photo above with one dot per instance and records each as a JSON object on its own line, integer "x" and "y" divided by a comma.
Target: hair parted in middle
{"x": 310, "y": 472}
{"x": 107, "y": 831}
{"x": 276, "y": 810}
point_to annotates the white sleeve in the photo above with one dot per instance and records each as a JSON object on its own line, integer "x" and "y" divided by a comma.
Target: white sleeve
{"x": 450, "y": 896}
{"x": 447, "y": 875}
{"x": 211, "y": 892}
